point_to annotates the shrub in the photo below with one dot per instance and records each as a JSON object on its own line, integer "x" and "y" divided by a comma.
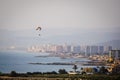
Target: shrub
{"x": 62, "y": 71}
{"x": 13, "y": 74}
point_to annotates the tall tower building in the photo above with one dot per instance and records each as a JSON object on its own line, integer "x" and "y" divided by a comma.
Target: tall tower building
{"x": 87, "y": 51}
{"x": 94, "y": 50}
{"x": 107, "y": 49}
{"x": 67, "y": 48}
{"x": 59, "y": 49}
{"x": 100, "y": 50}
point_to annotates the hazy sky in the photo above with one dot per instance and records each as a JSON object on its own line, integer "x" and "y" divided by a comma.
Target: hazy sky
{"x": 62, "y": 21}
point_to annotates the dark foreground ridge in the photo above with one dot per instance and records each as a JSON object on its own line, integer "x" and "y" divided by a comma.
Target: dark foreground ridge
{"x": 63, "y": 77}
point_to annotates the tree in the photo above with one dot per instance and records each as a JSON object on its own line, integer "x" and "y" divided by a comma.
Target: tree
{"x": 62, "y": 71}
{"x": 0, "y": 73}
{"x": 116, "y": 69}
{"x": 75, "y": 67}
{"x": 103, "y": 70}
{"x": 13, "y": 74}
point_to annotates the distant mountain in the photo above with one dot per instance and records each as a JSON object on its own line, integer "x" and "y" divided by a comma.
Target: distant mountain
{"x": 114, "y": 43}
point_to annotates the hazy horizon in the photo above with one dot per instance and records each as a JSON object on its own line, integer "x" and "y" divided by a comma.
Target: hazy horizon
{"x": 62, "y": 21}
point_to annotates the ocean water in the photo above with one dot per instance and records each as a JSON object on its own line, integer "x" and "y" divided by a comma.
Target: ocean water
{"x": 19, "y": 62}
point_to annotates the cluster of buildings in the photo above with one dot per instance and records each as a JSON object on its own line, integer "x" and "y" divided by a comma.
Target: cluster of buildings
{"x": 85, "y": 50}
{"x": 115, "y": 54}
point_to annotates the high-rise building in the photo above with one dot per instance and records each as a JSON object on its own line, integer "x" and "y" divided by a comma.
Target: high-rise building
{"x": 75, "y": 49}
{"x": 94, "y": 50}
{"x": 115, "y": 54}
{"x": 66, "y": 48}
{"x": 107, "y": 49}
{"x": 100, "y": 50}
{"x": 82, "y": 49}
{"x": 59, "y": 49}
{"x": 87, "y": 51}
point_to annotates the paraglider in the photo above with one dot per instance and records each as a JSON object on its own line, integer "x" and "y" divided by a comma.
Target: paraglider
{"x": 38, "y": 29}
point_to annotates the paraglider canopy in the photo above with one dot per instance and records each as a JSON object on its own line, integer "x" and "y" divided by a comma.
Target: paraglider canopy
{"x": 38, "y": 28}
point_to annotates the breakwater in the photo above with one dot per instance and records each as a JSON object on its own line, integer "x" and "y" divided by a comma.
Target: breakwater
{"x": 54, "y": 63}
{"x": 84, "y": 63}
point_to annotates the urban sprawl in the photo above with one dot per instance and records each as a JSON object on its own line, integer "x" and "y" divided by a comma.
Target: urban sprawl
{"x": 83, "y": 50}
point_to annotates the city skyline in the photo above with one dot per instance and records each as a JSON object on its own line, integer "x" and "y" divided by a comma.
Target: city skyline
{"x": 85, "y": 50}
{"x": 62, "y": 21}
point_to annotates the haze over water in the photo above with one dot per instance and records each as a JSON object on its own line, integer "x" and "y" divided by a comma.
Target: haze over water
{"x": 62, "y": 21}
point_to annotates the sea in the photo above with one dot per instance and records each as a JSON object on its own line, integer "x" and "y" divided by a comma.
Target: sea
{"x": 12, "y": 60}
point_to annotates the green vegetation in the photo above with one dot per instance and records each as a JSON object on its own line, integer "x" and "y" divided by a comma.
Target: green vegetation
{"x": 103, "y": 70}
{"x": 62, "y": 74}
{"x": 62, "y": 71}
{"x": 75, "y": 67}
{"x": 116, "y": 69}
{"x": 63, "y": 77}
